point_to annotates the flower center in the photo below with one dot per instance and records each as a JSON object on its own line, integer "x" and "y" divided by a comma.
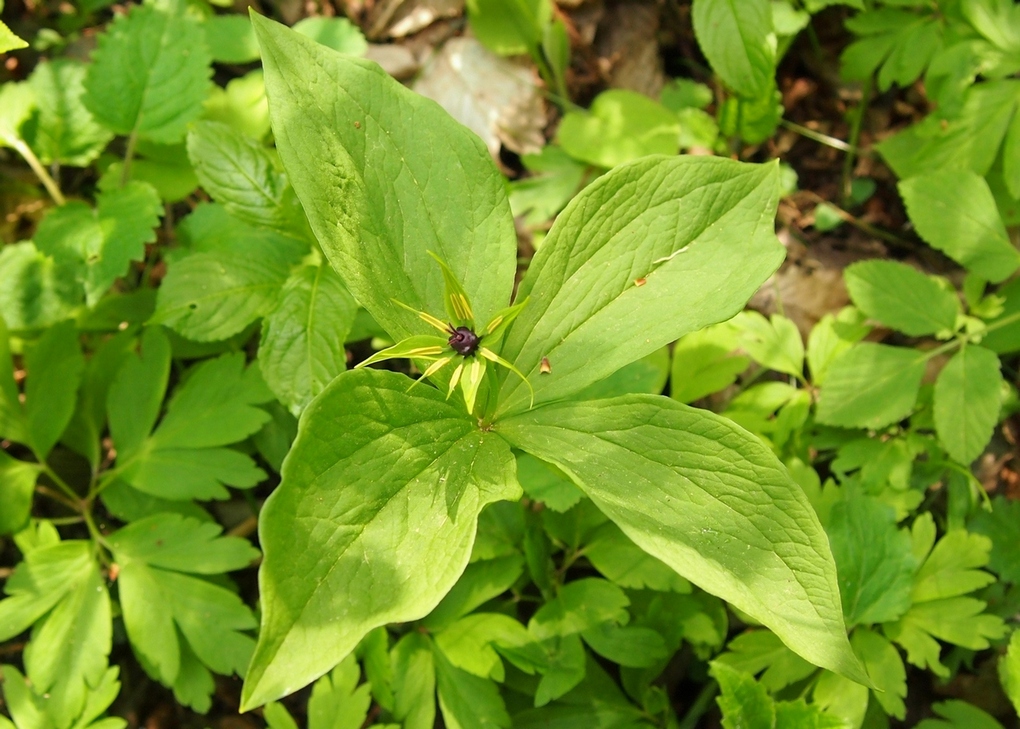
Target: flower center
{"x": 463, "y": 341}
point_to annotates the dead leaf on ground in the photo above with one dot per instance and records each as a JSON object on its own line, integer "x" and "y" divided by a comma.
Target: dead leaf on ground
{"x": 401, "y": 18}
{"x": 627, "y": 44}
{"x": 496, "y": 98}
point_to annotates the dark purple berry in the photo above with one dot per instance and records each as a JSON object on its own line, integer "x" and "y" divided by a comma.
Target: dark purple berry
{"x": 463, "y": 341}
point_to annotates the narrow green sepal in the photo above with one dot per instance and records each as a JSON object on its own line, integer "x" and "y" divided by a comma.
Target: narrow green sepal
{"x": 471, "y": 380}
{"x": 420, "y": 346}
{"x": 425, "y": 317}
{"x": 455, "y": 298}
{"x": 493, "y": 357}
{"x": 500, "y": 321}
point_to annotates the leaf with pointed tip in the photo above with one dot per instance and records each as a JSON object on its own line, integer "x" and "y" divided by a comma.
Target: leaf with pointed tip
{"x": 149, "y": 75}
{"x": 709, "y": 500}
{"x": 968, "y": 397}
{"x": 66, "y": 132}
{"x": 373, "y": 522}
{"x": 394, "y": 178}
{"x": 651, "y": 251}
{"x": 302, "y": 346}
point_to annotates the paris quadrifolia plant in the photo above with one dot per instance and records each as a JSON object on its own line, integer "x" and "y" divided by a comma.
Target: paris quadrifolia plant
{"x": 376, "y": 515}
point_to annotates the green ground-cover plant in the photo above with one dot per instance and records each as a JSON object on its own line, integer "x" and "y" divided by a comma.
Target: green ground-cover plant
{"x": 508, "y": 553}
{"x": 378, "y": 216}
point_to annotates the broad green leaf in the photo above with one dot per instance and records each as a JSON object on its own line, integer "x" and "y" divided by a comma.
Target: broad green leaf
{"x": 958, "y": 620}
{"x": 149, "y": 74}
{"x": 761, "y": 650}
{"x": 841, "y": 699}
{"x": 1011, "y": 158}
{"x": 468, "y": 701}
{"x": 580, "y": 605}
{"x": 26, "y": 708}
{"x": 774, "y": 343}
{"x": 886, "y": 669}
{"x": 968, "y": 396}
{"x": 482, "y": 581}
{"x": 239, "y": 174}
{"x": 69, "y": 649}
{"x": 399, "y": 478}
{"x": 630, "y": 646}
{"x": 13, "y": 422}
{"x": 230, "y": 39}
{"x": 340, "y": 34}
{"x": 704, "y": 362}
{"x": 163, "y": 166}
{"x": 17, "y": 485}
{"x": 955, "y": 212}
{"x": 414, "y": 682}
{"x": 471, "y": 642}
{"x": 736, "y": 37}
{"x": 509, "y": 27}
{"x": 744, "y": 702}
{"x": 34, "y": 292}
{"x": 1002, "y": 525}
{"x": 620, "y": 560}
{"x": 871, "y": 385}
{"x": 873, "y": 559}
{"x": 302, "y": 347}
{"x": 9, "y": 41}
{"x": 66, "y": 132}
{"x": 566, "y": 668}
{"x": 181, "y": 626}
{"x": 215, "y": 406}
{"x": 596, "y": 702}
{"x": 651, "y": 251}
{"x": 901, "y": 297}
{"x": 714, "y": 504}
{"x": 546, "y": 483}
{"x": 212, "y": 296}
{"x": 242, "y": 102}
{"x": 647, "y": 375}
{"x": 101, "y": 243}
{"x": 54, "y": 366}
{"x": 17, "y": 101}
{"x": 969, "y": 140}
{"x": 173, "y": 542}
{"x": 950, "y": 568}
{"x": 380, "y": 190}
{"x": 959, "y": 715}
{"x": 47, "y": 575}
{"x": 620, "y": 126}
{"x": 1009, "y": 670}
{"x": 555, "y": 179}
{"x": 136, "y": 394}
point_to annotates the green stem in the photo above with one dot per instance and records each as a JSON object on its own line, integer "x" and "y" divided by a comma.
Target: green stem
{"x": 44, "y": 177}
{"x": 129, "y": 155}
{"x": 701, "y": 704}
{"x": 855, "y": 133}
{"x": 60, "y": 483}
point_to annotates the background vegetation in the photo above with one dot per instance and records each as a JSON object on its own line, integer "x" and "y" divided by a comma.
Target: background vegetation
{"x": 165, "y": 315}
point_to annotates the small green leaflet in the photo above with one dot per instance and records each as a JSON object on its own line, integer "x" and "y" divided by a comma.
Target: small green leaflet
{"x": 59, "y": 590}
{"x": 182, "y": 626}
{"x": 968, "y": 397}
{"x": 231, "y": 275}
{"x": 150, "y": 73}
{"x": 184, "y": 457}
{"x": 96, "y": 246}
{"x": 901, "y": 297}
{"x": 66, "y": 132}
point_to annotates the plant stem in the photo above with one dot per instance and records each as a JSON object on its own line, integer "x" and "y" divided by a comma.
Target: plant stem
{"x": 129, "y": 155}
{"x": 60, "y": 483}
{"x": 822, "y": 138}
{"x": 701, "y": 704}
{"x": 44, "y": 177}
{"x": 855, "y": 133}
